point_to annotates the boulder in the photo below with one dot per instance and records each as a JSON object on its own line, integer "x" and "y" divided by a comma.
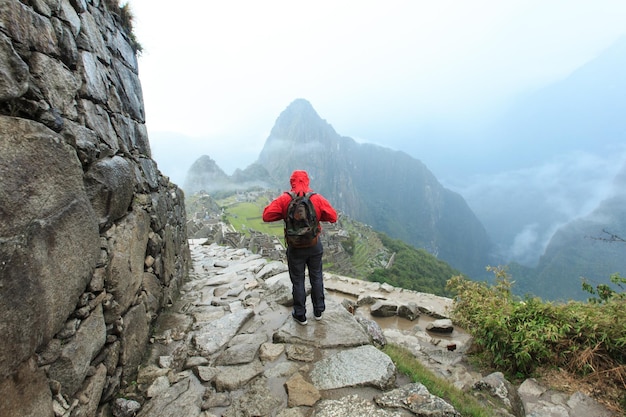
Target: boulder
{"x": 49, "y": 234}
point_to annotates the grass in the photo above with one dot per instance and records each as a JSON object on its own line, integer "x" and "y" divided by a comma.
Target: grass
{"x": 409, "y": 365}
{"x": 247, "y": 216}
{"x": 525, "y": 337}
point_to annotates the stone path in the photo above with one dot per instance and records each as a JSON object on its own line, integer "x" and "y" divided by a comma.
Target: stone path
{"x": 229, "y": 347}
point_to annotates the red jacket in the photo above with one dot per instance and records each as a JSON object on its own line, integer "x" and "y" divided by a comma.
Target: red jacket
{"x": 277, "y": 209}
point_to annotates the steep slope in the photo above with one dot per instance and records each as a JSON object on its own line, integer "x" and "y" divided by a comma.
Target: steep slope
{"x": 387, "y": 189}
{"x": 578, "y": 250}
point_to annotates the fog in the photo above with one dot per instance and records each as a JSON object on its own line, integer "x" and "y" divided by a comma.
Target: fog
{"x": 526, "y": 206}
{"x": 481, "y": 92}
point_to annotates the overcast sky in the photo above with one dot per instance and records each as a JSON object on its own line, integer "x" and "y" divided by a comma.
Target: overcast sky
{"x": 220, "y": 72}
{"x": 417, "y": 76}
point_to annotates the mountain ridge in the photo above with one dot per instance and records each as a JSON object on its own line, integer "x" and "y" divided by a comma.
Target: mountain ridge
{"x": 363, "y": 180}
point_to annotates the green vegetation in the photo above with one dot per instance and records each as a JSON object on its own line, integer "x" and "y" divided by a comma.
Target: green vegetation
{"x": 520, "y": 336}
{"x": 370, "y": 251}
{"x": 126, "y": 17}
{"x": 247, "y": 216}
{"x": 414, "y": 269}
{"x": 603, "y": 292}
{"x": 463, "y": 402}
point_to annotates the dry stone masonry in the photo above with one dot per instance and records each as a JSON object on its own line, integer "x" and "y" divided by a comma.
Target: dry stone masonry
{"x": 92, "y": 236}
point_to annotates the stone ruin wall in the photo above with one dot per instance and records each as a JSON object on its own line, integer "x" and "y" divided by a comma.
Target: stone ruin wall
{"x": 92, "y": 235}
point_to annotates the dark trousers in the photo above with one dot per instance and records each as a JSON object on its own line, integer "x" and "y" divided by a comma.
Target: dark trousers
{"x": 298, "y": 259}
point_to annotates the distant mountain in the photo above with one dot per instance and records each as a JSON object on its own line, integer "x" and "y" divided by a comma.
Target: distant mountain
{"x": 580, "y": 249}
{"x": 206, "y": 175}
{"x": 555, "y": 152}
{"x": 389, "y": 190}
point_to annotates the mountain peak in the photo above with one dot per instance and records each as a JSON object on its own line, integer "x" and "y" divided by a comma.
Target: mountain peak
{"x": 301, "y": 107}
{"x": 205, "y": 175}
{"x": 300, "y": 112}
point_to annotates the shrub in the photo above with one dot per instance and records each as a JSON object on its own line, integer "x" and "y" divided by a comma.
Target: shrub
{"x": 519, "y": 335}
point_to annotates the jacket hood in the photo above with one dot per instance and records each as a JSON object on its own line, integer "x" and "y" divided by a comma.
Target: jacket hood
{"x": 300, "y": 182}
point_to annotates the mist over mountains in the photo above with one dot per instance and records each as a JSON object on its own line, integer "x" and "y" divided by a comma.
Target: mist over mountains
{"x": 544, "y": 162}
{"x": 388, "y": 190}
{"x": 553, "y": 157}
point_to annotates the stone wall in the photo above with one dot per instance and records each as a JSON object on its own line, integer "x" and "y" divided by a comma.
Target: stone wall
{"x": 92, "y": 235}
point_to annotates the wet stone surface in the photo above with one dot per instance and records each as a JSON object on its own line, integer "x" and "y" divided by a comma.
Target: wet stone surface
{"x": 229, "y": 347}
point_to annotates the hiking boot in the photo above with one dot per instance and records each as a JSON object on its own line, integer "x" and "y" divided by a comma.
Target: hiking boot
{"x": 299, "y": 319}
{"x": 318, "y": 316}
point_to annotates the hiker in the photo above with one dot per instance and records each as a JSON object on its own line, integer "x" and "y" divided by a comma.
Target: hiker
{"x": 303, "y": 254}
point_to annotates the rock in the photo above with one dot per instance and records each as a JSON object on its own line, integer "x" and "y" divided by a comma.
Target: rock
{"x": 539, "y": 401}
{"x": 110, "y": 185}
{"x": 184, "y": 398}
{"x": 221, "y": 264}
{"x": 418, "y": 400}
{"x": 271, "y": 269}
{"x": 206, "y": 373}
{"x": 254, "y": 339}
{"x": 366, "y": 299}
{"x": 77, "y": 353}
{"x": 283, "y": 369}
{"x": 530, "y": 389}
{"x": 409, "y": 311}
{"x": 300, "y": 353}
{"x": 502, "y": 390}
{"x": 210, "y": 338}
{"x": 351, "y": 405}
{"x": 257, "y": 400}
{"x": 134, "y": 337}
{"x": 166, "y": 361}
{"x": 231, "y": 378}
{"x": 349, "y": 305}
{"x": 238, "y": 354}
{"x": 361, "y": 366}
{"x": 91, "y": 393}
{"x": 27, "y": 395}
{"x": 373, "y": 330}
{"x": 440, "y": 326}
{"x": 195, "y": 361}
{"x": 582, "y": 405}
{"x": 269, "y": 352}
{"x": 125, "y": 408}
{"x": 278, "y": 289}
{"x": 301, "y": 392}
{"x": 160, "y": 385}
{"x": 346, "y": 331}
{"x": 148, "y": 374}
{"x": 384, "y": 308}
{"x": 291, "y": 412}
{"x": 50, "y": 232}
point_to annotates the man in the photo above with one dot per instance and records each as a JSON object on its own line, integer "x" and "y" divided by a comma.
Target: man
{"x": 300, "y": 258}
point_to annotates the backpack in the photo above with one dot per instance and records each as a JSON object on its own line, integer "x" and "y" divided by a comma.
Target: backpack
{"x": 301, "y": 225}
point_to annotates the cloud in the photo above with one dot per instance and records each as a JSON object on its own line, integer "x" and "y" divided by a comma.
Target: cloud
{"x": 211, "y": 68}
{"x": 521, "y": 209}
